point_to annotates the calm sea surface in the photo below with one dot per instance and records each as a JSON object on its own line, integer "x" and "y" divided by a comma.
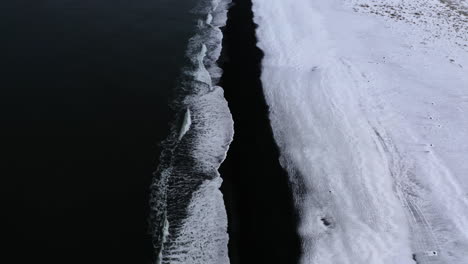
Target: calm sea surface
{"x": 84, "y": 92}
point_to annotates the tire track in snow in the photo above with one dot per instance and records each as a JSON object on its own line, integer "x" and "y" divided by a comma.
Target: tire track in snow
{"x": 422, "y": 233}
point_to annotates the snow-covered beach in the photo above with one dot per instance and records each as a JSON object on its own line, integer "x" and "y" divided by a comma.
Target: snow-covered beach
{"x": 368, "y": 104}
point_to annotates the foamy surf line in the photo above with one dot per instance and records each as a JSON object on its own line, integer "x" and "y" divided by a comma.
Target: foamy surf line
{"x": 188, "y": 218}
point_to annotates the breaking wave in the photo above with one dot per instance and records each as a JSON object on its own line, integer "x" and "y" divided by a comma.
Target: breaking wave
{"x": 188, "y": 219}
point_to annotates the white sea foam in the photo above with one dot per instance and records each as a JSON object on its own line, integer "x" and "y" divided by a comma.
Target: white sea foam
{"x": 369, "y": 112}
{"x": 201, "y": 74}
{"x": 165, "y": 235}
{"x": 188, "y": 219}
{"x": 209, "y": 19}
{"x": 185, "y": 124}
{"x": 201, "y": 238}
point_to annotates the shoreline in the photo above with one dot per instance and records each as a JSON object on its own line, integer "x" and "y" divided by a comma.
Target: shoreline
{"x": 262, "y": 222}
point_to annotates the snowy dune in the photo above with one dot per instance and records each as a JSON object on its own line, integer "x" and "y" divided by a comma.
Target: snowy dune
{"x": 368, "y": 105}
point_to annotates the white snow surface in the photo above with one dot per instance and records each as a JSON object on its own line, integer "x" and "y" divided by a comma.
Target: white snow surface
{"x": 369, "y": 110}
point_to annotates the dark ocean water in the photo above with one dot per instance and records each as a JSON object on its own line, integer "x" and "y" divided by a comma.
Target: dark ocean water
{"x": 84, "y": 95}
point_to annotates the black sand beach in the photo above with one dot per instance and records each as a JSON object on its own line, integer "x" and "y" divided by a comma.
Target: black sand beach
{"x": 84, "y": 104}
{"x": 262, "y": 222}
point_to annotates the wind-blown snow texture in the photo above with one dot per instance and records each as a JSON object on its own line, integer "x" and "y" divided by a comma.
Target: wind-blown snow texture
{"x": 368, "y": 105}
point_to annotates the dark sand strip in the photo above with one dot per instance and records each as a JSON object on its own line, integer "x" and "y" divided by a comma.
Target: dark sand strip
{"x": 262, "y": 221}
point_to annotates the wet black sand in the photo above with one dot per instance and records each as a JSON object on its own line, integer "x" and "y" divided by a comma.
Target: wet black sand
{"x": 262, "y": 222}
